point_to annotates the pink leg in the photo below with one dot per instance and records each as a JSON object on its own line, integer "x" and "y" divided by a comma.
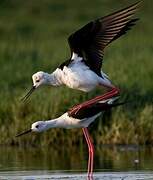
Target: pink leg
{"x": 87, "y": 140}
{"x": 113, "y": 92}
{"x": 91, "y": 152}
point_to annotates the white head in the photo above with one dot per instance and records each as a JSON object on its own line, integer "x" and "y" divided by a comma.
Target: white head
{"x": 40, "y": 78}
{"x": 40, "y": 126}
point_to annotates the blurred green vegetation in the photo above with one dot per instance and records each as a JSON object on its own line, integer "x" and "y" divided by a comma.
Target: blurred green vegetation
{"x": 33, "y": 37}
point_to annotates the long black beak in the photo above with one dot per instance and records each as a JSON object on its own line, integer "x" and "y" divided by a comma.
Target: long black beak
{"x": 25, "y": 132}
{"x": 28, "y": 94}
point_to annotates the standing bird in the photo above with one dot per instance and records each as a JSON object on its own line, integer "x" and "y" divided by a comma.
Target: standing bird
{"x": 82, "y": 119}
{"x": 83, "y": 70}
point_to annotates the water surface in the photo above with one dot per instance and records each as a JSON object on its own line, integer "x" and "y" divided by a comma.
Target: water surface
{"x": 120, "y": 162}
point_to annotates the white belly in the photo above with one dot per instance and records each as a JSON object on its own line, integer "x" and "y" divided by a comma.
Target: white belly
{"x": 80, "y": 78}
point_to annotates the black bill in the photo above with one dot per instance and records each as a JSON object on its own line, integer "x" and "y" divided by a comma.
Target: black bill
{"x": 28, "y": 94}
{"x": 25, "y": 132}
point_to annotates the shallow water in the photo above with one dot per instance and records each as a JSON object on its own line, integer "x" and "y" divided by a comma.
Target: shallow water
{"x": 30, "y": 175}
{"x": 121, "y": 162}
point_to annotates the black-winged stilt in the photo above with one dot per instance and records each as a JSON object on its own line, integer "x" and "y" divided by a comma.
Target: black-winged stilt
{"x": 80, "y": 119}
{"x": 83, "y": 70}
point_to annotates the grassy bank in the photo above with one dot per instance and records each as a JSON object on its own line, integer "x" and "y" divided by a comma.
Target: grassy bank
{"x": 33, "y": 37}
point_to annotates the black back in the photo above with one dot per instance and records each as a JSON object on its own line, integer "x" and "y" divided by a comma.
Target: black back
{"x": 93, "y": 109}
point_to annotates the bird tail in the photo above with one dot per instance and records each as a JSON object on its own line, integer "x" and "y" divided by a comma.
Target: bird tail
{"x": 110, "y": 103}
{"x": 118, "y": 104}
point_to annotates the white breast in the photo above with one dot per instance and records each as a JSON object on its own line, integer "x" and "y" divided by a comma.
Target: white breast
{"x": 79, "y": 76}
{"x": 67, "y": 122}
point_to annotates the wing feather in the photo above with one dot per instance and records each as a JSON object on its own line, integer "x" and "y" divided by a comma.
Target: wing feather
{"x": 90, "y": 41}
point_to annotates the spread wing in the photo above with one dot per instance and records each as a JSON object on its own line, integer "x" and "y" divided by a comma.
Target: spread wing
{"x": 90, "y": 41}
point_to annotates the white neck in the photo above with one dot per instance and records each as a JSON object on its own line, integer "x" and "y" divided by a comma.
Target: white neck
{"x": 54, "y": 123}
{"x": 53, "y": 79}
{"x": 51, "y": 124}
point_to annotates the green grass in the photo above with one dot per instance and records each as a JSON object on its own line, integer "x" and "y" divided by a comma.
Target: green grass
{"x": 33, "y": 37}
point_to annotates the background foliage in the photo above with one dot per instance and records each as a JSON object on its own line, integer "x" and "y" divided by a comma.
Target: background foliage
{"x": 33, "y": 37}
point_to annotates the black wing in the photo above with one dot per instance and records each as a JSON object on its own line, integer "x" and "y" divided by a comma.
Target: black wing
{"x": 94, "y": 109}
{"x": 90, "y": 41}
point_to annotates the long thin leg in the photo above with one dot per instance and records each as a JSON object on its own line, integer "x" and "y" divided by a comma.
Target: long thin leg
{"x": 87, "y": 140}
{"x": 91, "y": 151}
{"x": 113, "y": 92}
